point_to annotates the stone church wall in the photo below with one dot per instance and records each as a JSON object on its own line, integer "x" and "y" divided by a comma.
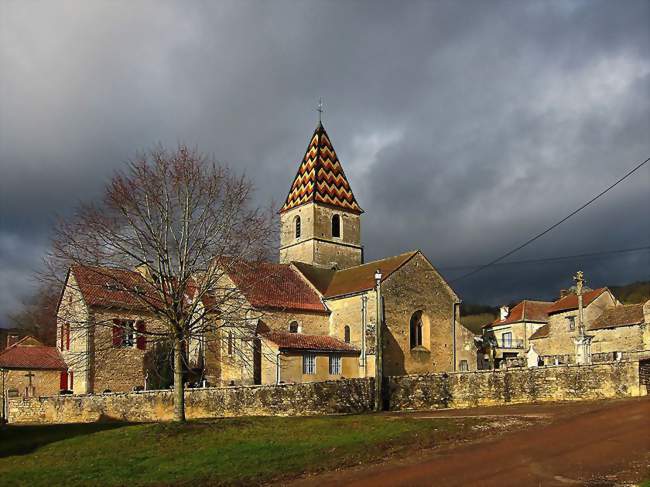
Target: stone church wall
{"x": 417, "y": 286}
{"x": 512, "y": 386}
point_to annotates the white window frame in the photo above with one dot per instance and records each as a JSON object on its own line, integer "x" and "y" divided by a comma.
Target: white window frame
{"x": 309, "y": 363}
{"x": 571, "y": 320}
{"x": 335, "y": 364}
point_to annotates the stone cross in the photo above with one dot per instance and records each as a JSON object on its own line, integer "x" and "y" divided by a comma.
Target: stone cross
{"x": 579, "y": 278}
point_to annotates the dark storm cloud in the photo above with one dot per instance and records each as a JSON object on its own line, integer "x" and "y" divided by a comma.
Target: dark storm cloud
{"x": 464, "y": 127}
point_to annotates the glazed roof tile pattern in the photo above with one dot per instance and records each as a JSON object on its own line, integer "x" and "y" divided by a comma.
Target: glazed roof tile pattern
{"x": 630, "y": 314}
{"x": 318, "y": 343}
{"x": 320, "y": 177}
{"x": 30, "y": 354}
{"x": 277, "y": 286}
{"x": 526, "y": 310}
{"x": 571, "y": 301}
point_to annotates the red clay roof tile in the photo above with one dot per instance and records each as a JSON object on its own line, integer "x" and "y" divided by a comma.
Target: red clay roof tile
{"x": 629, "y": 314}
{"x": 318, "y": 343}
{"x": 571, "y": 301}
{"x": 30, "y": 354}
{"x": 277, "y": 286}
{"x": 526, "y": 310}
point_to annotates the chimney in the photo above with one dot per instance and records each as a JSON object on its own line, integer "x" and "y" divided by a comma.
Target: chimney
{"x": 564, "y": 293}
{"x": 505, "y": 312}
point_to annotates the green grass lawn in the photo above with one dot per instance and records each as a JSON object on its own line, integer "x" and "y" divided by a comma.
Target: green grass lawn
{"x": 226, "y": 451}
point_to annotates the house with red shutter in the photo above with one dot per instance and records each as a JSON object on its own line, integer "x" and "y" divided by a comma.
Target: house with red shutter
{"x": 101, "y": 331}
{"x": 28, "y": 368}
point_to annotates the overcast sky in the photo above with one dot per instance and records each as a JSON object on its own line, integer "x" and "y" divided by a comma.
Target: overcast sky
{"x": 464, "y": 127}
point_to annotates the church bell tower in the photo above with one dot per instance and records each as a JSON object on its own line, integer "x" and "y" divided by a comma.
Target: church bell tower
{"x": 320, "y": 219}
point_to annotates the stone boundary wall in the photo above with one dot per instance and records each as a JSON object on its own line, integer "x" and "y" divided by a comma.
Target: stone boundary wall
{"x": 517, "y": 385}
{"x": 347, "y": 396}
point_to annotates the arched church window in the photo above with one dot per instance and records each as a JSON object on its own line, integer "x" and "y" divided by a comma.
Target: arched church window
{"x": 294, "y": 327}
{"x": 297, "y": 223}
{"x": 346, "y": 334}
{"x": 416, "y": 329}
{"x": 336, "y": 226}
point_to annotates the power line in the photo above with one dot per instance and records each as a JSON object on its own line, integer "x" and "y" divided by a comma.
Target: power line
{"x": 531, "y": 240}
{"x": 549, "y": 259}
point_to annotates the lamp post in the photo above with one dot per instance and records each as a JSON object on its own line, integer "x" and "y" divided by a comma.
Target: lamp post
{"x": 379, "y": 372}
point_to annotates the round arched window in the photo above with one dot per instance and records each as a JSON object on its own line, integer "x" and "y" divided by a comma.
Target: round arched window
{"x": 336, "y": 226}
{"x": 297, "y": 226}
{"x": 346, "y": 334}
{"x": 294, "y": 327}
{"x": 416, "y": 329}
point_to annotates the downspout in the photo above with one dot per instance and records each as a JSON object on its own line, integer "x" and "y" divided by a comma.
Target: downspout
{"x": 277, "y": 368}
{"x": 364, "y": 310}
{"x": 379, "y": 369}
{"x": 453, "y": 331}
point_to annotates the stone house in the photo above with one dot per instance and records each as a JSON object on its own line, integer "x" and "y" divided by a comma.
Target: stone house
{"x": 28, "y": 368}
{"x": 621, "y": 332}
{"x": 507, "y": 337}
{"x": 100, "y": 331}
{"x": 9, "y": 336}
{"x": 554, "y": 342}
{"x": 313, "y": 315}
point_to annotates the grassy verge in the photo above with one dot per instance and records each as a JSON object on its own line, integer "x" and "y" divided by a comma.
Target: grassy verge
{"x": 227, "y": 451}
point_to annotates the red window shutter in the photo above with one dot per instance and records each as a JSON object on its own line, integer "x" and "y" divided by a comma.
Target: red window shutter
{"x": 67, "y": 336}
{"x": 141, "y": 340}
{"x": 63, "y": 380}
{"x": 61, "y": 339}
{"x": 118, "y": 332}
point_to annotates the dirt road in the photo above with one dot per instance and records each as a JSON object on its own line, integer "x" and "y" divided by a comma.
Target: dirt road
{"x": 599, "y": 444}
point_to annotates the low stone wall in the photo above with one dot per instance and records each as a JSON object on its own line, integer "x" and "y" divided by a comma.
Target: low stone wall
{"x": 510, "y": 386}
{"x": 346, "y": 396}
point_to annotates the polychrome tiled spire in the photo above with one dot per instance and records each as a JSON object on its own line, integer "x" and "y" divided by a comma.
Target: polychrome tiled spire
{"x": 320, "y": 177}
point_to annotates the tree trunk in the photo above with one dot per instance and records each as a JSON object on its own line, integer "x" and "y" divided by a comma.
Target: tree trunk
{"x": 179, "y": 386}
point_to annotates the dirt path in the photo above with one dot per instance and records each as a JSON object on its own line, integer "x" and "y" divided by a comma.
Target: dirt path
{"x": 599, "y": 444}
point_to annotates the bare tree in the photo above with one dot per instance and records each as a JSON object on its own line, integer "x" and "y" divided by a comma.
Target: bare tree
{"x": 184, "y": 222}
{"x": 37, "y": 315}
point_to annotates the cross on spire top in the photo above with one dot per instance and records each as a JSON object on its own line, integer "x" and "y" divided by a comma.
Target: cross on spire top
{"x": 320, "y": 110}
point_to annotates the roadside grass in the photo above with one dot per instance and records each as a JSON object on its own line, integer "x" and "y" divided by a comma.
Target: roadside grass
{"x": 214, "y": 452}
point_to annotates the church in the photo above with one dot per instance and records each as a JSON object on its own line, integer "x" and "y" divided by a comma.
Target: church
{"x": 316, "y": 310}
{"x": 319, "y": 320}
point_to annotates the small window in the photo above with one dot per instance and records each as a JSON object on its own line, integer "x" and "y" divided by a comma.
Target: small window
{"x": 294, "y": 327}
{"x": 571, "y": 322}
{"x": 506, "y": 340}
{"x": 231, "y": 343}
{"x": 464, "y": 366}
{"x": 309, "y": 363}
{"x": 336, "y": 226}
{"x": 297, "y": 226}
{"x": 335, "y": 364}
{"x": 416, "y": 329}
{"x": 346, "y": 334}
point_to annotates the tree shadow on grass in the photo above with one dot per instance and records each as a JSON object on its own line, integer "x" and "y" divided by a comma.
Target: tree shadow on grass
{"x": 24, "y": 439}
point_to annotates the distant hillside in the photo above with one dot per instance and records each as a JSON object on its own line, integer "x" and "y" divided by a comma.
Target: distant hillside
{"x": 475, "y": 316}
{"x": 637, "y": 292}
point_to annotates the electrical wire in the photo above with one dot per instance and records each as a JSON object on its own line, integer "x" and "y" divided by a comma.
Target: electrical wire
{"x": 549, "y": 259}
{"x": 541, "y": 234}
